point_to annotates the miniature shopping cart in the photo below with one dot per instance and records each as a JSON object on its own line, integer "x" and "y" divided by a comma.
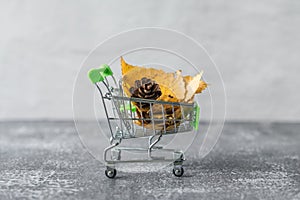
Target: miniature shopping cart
{"x": 130, "y": 124}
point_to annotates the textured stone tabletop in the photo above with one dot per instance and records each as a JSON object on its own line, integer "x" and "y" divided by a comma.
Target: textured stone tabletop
{"x": 46, "y": 160}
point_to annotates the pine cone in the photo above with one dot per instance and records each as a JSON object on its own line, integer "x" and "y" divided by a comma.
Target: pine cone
{"x": 145, "y": 89}
{"x": 148, "y": 89}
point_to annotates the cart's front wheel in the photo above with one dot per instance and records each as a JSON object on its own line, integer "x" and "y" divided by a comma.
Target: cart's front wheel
{"x": 110, "y": 172}
{"x": 178, "y": 171}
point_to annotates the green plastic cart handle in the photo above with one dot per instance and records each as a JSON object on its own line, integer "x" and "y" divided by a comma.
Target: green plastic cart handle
{"x": 197, "y": 117}
{"x": 99, "y": 74}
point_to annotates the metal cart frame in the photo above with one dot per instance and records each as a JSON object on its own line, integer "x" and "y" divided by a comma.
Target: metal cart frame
{"x": 125, "y": 115}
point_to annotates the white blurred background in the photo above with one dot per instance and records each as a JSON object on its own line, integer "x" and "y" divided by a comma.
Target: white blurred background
{"x": 255, "y": 44}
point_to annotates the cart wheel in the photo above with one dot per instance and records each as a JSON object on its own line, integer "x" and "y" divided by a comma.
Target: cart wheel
{"x": 110, "y": 173}
{"x": 178, "y": 171}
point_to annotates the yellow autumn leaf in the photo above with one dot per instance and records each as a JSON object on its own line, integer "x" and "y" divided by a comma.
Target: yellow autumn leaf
{"x": 192, "y": 86}
{"x": 172, "y": 85}
{"x": 202, "y": 86}
{"x": 174, "y": 88}
{"x": 125, "y": 66}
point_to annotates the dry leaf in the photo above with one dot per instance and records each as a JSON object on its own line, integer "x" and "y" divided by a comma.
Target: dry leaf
{"x": 126, "y": 67}
{"x": 202, "y": 86}
{"x": 172, "y": 85}
{"x": 174, "y": 88}
{"x": 192, "y": 86}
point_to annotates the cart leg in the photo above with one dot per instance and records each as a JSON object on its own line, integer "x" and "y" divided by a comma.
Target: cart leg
{"x": 110, "y": 171}
{"x": 177, "y": 164}
{"x": 150, "y": 140}
{"x": 116, "y": 154}
{"x": 109, "y": 148}
{"x": 152, "y": 144}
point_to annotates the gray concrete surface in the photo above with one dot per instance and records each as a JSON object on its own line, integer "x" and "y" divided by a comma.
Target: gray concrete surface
{"x": 45, "y": 160}
{"x": 254, "y": 43}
